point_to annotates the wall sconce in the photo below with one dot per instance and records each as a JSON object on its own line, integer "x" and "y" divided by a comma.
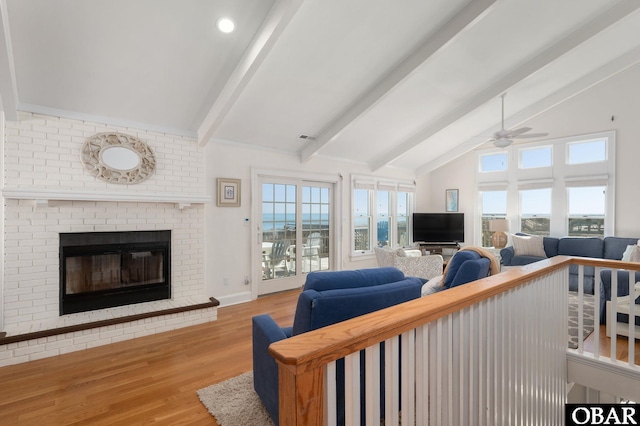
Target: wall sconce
{"x": 498, "y": 227}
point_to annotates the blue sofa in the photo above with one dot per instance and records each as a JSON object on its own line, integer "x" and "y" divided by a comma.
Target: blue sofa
{"x": 327, "y": 298}
{"x": 608, "y": 248}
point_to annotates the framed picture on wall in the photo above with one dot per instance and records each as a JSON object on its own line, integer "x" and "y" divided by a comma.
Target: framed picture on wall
{"x": 451, "y": 200}
{"x": 228, "y": 192}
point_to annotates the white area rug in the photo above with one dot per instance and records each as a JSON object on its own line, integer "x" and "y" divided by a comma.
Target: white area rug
{"x": 235, "y": 403}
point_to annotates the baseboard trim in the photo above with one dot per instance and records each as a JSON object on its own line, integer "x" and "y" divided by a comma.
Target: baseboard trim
{"x": 235, "y": 298}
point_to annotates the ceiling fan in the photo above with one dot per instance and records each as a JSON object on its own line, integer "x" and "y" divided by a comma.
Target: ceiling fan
{"x": 503, "y": 138}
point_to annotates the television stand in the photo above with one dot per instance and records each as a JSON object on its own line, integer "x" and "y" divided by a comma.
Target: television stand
{"x": 446, "y": 250}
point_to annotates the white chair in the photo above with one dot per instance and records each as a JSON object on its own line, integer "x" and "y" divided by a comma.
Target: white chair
{"x": 277, "y": 259}
{"x": 622, "y": 307}
{"x": 426, "y": 267}
{"x": 311, "y": 253}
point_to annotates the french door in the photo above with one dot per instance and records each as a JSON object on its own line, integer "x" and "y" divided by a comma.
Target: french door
{"x": 295, "y": 232}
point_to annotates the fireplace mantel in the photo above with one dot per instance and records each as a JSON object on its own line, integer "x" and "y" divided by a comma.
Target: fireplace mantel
{"x": 44, "y": 196}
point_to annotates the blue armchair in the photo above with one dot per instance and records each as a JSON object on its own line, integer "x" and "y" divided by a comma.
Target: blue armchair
{"x": 464, "y": 267}
{"x": 327, "y": 298}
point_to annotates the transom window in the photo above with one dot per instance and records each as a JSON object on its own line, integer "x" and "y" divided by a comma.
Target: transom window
{"x": 493, "y": 162}
{"x": 587, "y": 152}
{"x": 536, "y": 157}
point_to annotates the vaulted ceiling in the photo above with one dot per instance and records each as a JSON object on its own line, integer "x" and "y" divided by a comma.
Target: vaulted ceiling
{"x": 410, "y": 84}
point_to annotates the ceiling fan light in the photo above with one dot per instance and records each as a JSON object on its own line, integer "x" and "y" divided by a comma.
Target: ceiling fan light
{"x": 503, "y": 142}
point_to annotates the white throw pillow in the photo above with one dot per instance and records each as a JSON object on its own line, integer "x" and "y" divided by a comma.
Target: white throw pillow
{"x": 627, "y": 253}
{"x": 432, "y": 286}
{"x": 401, "y": 253}
{"x": 528, "y": 245}
{"x": 413, "y": 253}
{"x": 635, "y": 254}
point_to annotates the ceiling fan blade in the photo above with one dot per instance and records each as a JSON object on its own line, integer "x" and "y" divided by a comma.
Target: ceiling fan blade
{"x": 530, "y": 135}
{"x": 519, "y": 131}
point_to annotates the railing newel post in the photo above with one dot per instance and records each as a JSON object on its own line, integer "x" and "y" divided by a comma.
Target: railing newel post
{"x": 301, "y": 395}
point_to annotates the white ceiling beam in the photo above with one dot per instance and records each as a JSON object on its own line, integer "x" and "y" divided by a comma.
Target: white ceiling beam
{"x": 605, "y": 72}
{"x": 275, "y": 23}
{"x": 585, "y": 32}
{"x": 8, "y": 86}
{"x": 445, "y": 35}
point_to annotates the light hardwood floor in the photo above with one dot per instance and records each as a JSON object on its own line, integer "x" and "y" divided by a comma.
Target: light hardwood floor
{"x": 622, "y": 346}
{"x": 149, "y": 380}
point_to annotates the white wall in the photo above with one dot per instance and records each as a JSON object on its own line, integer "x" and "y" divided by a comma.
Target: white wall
{"x": 229, "y": 236}
{"x": 588, "y": 112}
{"x": 454, "y": 175}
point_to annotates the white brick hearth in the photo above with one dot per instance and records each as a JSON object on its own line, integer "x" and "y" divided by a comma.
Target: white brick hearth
{"x": 42, "y": 160}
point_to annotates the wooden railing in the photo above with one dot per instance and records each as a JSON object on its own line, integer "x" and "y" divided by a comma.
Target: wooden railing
{"x": 490, "y": 352}
{"x": 510, "y": 315}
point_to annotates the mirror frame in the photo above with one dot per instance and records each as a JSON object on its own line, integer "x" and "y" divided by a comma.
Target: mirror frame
{"x": 98, "y": 143}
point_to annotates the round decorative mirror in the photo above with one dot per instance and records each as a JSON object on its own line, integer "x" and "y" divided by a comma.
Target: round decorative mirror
{"x": 118, "y": 158}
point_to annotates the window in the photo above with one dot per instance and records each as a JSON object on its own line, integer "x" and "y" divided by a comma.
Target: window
{"x": 587, "y": 206}
{"x": 494, "y": 206}
{"x": 279, "y": 211}
{"x": 383, "y": 221}
{"x": 535, "y": 157}
{"x": 587, "y": 152}
{"x": 493, "y": 162}
{"x": 381, "y": 212}
{"x": 402, "y": 222}
{"x": 555, "y": 187}
{"x": 361, "y": 220}
{"x": 535, "y": 211}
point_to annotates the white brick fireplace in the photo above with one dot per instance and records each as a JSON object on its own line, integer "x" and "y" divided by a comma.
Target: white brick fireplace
{"x": 47, "y": 191}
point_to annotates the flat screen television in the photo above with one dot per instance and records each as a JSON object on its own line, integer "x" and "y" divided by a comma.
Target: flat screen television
{"x": 438, "y": 227}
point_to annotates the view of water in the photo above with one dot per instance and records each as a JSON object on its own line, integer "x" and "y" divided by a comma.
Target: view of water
{"x": 272, "y": 221}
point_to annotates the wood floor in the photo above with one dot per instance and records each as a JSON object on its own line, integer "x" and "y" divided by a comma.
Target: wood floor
{"x": 150, "y": 380}
{"x": 622, "y": 346}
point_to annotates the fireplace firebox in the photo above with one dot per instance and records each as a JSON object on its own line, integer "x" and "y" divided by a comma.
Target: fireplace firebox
{"x": 106, "y": 269}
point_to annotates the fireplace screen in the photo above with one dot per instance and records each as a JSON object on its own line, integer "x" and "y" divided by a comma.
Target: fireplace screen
{"x": 102, "y": 270}
{"x": 111, "y": 271}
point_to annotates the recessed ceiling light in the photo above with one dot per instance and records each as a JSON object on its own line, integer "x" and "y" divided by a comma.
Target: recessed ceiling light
{"x": 226, "y": 25}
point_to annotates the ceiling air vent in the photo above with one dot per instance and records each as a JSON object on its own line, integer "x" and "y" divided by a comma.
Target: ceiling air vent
{"x": 307, "y": 137}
